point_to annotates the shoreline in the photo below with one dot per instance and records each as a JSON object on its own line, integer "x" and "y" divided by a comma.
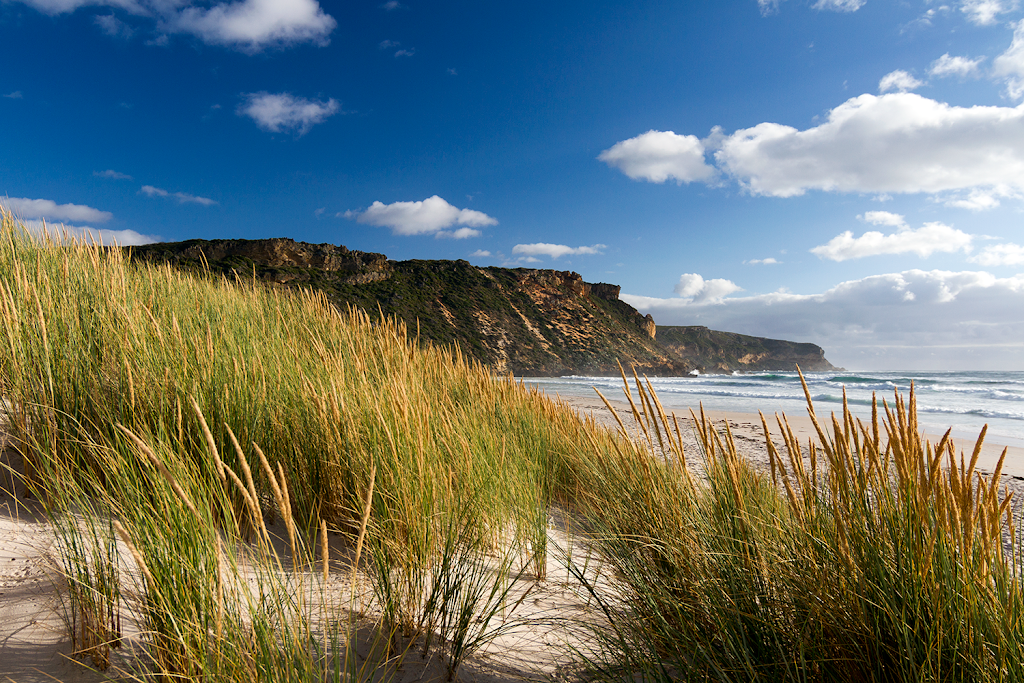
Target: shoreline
{"x": 749, "y": 434}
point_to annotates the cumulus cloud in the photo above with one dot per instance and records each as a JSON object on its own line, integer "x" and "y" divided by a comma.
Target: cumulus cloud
{"x": 88, "y": 234}
{"x": 47, "y": 209}
{"x": 555, "y": 250}
{"x": 925, "y": 241}
{"x": 112, "y": 175}
{"x": 16, "y": 95}
{"x": 182, "y": 197}
{"x": 839, "y": 5}
{"x": 1010, "y": 65}
{"x": 694, "y": 289}
{"x": 887, "y": 144}
{"x": 659, "y": 155}
{"x": 428, "y": 217}
{"x": 914, "y": 319}
{"x": 282, "y": 112}
{"x": 1000, "y": 255}
{"x": 896, "y": 143}
{"x": 254, "y": 24}
{"x": 248, "y": 25}
{"x": 768, "y": 7}
{"x": 480, "y": 253}
{"x": 986, "y": 12}
{"x": 898, "y": 80}
{"x": 955, "y": 66}
{"x": 894, "y": 220}
{"x": 771, "y": 260}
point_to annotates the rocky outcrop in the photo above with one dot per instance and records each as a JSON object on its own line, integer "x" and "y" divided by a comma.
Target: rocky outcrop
{"x": 520, "y": 320}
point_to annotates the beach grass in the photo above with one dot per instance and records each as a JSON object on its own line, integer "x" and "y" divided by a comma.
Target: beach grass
{"x": 171, "y": 422}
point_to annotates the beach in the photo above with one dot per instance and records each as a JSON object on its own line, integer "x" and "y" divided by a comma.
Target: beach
{"x": 748, "y": 433}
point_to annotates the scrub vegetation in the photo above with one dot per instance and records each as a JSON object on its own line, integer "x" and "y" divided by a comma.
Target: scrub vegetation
{"x": 170, "y": 421}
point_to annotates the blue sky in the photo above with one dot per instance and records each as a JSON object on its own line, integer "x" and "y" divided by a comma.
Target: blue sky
{"x": 847, "y": 172}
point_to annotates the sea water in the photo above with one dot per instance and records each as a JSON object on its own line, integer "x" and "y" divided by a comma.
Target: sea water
{"x": 964, "y": 401}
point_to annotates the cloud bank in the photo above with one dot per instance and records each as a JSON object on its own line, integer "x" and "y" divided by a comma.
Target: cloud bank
{"x": 898, "y": 143}
{"x": 913, "y": 319}
{"x": 432, "y": 216}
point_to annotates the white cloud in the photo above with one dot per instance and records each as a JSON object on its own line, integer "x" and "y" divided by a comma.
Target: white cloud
{"x": 981, "y": 199}
{"x": 839, "y": 5}
{"x": 771, "y": 260}
{"x": 88, "y": 234}
{"x": 392, "y": 5}
{"x": 430, "y": 216}
{"x": 113, "y": 175}
{"x": 955, "y": 66}
{"x": 114, "y": 27}
{"x": 182, "y": 197}
{"x": 659, "y": 155}
{"x": 1000, "y": 255}
{"x": 915, "y": 319}
{"x": 896, "y": 143}
{"x": 1010, "y": 64}
{"x": 16, "y": 95}
{"x": 254, "y": 24}
{"x": 556, "y": 250}
{"x": 986, "y": 12}
{"x": 894, "y": 220}
{"x": 460, "y": 234}
{"x": 768, "y": 6}
{"x": 898, "y": 80}
{"x": 277, "y": 112}
{"x": 480, "y": 253}
{"x": 22, "y": 207}
{"x": 694, "y": 289}
{"x": 248, "y": 25}
{"x": 409, "y": 52}
{"x": 925, "y": 241}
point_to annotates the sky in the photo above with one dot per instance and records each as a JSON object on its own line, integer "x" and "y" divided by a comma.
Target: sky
{"x": 843, "y": 172}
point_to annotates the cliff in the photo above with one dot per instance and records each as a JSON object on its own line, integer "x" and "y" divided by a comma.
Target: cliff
{"x": 520, "y": 320}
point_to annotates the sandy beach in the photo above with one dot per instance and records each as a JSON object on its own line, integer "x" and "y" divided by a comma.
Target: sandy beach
{"x": 749, "y": 434}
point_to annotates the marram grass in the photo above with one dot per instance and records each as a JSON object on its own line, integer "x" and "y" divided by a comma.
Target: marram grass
{"x": 168, "y": 420}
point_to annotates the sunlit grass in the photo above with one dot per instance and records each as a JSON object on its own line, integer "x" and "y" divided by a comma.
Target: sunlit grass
{"x": 169, "y": 421}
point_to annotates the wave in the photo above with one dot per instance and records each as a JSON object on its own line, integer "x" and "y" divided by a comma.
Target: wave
{"x": 976, "y": 412}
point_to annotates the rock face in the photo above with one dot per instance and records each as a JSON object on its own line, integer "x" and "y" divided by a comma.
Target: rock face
{"x": 520, "y": 320}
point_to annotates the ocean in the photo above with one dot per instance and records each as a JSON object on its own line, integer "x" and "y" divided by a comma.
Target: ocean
{"x": 964, "y": 401}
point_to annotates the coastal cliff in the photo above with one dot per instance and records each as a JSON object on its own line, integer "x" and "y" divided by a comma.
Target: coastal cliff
{"x": 519, "y": 320}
